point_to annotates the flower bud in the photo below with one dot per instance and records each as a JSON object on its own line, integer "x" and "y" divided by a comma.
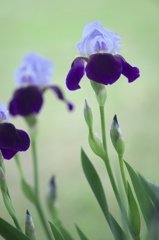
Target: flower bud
{"x": 96, "y": 145}
{"x": 29, "y": 226}
{"x": 117, "y": 137}
{"x": 88, "y": 115}
{"x": 51, "y": 194}
{"x": 52, "y": 203}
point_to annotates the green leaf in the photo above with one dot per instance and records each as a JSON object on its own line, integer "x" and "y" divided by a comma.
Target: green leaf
{"x": 95, "y": 184}
{"x": 65, "y": 233}
{"x": 152, "y": 189}
{"x": 141, "y": 194}
{"x": 134, "y": 215}
{"x": 56, "y": 232}
{"x": 81, "y": 234}
{"x": 9, "y": 232}
{"x": 97, "y": 188}
{"x": 117, "y": 230}
{"x": 28, "y": 191}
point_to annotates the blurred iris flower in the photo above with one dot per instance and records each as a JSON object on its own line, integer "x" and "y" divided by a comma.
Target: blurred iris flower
{"x": 33, "y": 77}
{"x": 12, "y": 140}
{"x": 99, "y": 48}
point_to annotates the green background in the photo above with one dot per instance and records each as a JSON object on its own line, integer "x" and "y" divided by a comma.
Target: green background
{"x": 52, "y": 29}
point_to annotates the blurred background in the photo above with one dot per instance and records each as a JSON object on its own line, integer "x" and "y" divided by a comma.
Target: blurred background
{"x": 52, "y": 28}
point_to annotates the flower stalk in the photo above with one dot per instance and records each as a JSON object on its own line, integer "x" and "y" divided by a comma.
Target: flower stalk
{"x": 36, "y": 200}
{"x": 103, "y": 127}
{"x": 123, "y": 173}
{"x": 19, "y": 166}
{"x": 35, "y": 165}
{"x": 7, "y": 200}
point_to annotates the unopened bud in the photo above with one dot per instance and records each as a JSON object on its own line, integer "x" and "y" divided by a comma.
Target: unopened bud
{"x": 117, "y": 137}
{"x": 96, "y": 145}
{"x": 52, "y": 203}
{"x": 88, "y": 115}
{"x": 29, "y": 226}
{"x": 100, "y": 91}
{"x": 51, "y": 194}
{"x": 52, "y": 189}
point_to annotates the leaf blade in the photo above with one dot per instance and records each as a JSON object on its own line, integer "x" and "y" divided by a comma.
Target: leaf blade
{"x": 57, "y": 235}
{"x": 8, "y": 232}
{"x": 81, "y": 234}
{"x": 97, "y": 188}
{"x": 65, "y": 233}
{"x": 141, "y": 194}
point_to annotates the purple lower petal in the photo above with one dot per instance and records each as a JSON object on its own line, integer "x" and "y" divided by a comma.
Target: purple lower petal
{"x": 132, "y": 73}
{"x": 75, "y": 74}
{"x": 26, "y": 101}
{"x": 8, "y": 153}
{"x": 23, "y": 141}
{"x": 8, "y": 136}
{"x": 70, "y": 106}
{"x": 12, "y": 140}
{"x": 103, "y": 68}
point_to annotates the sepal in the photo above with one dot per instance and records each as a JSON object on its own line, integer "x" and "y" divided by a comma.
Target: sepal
{"x": 100, "y": 92}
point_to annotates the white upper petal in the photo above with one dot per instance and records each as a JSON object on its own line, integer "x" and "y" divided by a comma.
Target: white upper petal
{"x": 4, "y": 113}
{"x": 34, "y": 70}
{"x": 95, "y": 38}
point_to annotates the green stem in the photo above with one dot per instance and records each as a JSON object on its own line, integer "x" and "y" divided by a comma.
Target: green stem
{"x": 35, "y": 165}
{"x": 17, "y": 223}
{"x": 1, "y": 160}
{"x": 9, "y": 207}
{"x": 37, "y": 203}
{"x": 6, "y": 196}
{"x": 112, "y": 180}
{"x": 123, "y": 173}
{"x": 55, "y": 218}
{"x": 42, "y": 217}
{"x": 19, "y": 166}
{"x": 107, "y": 161}
{"x": 103, "y": 128}
{"x": 36, "y": 185}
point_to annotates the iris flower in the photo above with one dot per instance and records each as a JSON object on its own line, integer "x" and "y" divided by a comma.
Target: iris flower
{"x": 33, "y": 77}
{"x": 99, "y": 48}
{"x": 12, "y": 140}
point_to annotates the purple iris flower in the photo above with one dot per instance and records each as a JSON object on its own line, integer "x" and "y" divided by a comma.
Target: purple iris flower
{"x": 99, "y": 48}
{"x": 33, "y": 77}
{"x": 12, "y": 140}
